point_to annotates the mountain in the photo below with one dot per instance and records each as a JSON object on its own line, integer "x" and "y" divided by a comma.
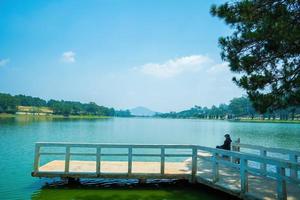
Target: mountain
{"x": 142, "y": 111}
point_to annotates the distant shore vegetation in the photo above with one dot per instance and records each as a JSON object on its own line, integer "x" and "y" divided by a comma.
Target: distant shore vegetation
{"x": 239, "y": 109}
{"x": 28, "y": 105}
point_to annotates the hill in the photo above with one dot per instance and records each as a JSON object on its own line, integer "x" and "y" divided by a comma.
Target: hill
{"x": 142, "y": 111}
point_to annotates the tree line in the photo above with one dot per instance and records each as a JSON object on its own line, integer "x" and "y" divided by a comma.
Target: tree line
{"x": 10, "y": 103}
{"x": 236, "y": 109}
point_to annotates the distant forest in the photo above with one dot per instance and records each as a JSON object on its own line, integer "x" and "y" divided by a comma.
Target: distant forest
{"x": 236, "y": 109}
{"x": 10, "y": 103}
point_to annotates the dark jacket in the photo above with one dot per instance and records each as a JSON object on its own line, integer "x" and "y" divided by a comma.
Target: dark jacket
{"x": 227, "y": 144}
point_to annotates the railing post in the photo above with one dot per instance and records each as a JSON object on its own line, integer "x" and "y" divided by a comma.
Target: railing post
{"x": 244, "y": 175}
{"x": 67, "y": 159}
{"x": 37, "y": 158}
{"x": 162, "y": 160}
{"x": 281, "y": 184}
{"x": 236, "y": 147}
{"x": 294, "y": 171}
{"x": 263, "y": 166}
{"x": 194, "y": 164}
{"x": 129, "y": 160}
{"x": 98, "y": 160}
{"x": 215, "y": 167}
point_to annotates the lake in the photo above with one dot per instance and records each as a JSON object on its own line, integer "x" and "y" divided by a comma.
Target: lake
{"x": 18, "y": 135}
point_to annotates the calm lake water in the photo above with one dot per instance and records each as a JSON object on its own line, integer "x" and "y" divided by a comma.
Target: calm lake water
{"x": 18, "y": 136}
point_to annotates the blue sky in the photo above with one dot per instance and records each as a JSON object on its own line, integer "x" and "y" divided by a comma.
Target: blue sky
{"x": 162, "y": 54}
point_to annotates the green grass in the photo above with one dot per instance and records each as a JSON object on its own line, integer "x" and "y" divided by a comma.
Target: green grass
{"x": 174, "y": 193}
{"x": 109, "y": 194}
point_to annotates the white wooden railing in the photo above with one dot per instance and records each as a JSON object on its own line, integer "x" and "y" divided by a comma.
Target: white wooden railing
{"x": 217, "y": 158}
{"x": 129, "y": 154}
{"x": 244, "y": 158}
{"x": 290, "y": 155}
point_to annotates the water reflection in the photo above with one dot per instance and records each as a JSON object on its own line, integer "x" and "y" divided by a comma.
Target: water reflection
{"x": 28, "y": 119}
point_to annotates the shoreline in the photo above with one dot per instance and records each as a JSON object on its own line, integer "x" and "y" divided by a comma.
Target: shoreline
{"x": 268, "y": 121}
{"x": 241, "y": 120}
{"x": 6, "y": 115}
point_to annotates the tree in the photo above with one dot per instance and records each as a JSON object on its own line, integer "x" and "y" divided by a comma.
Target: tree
{"x": 8, "y": 103}
{"x": 223, "y": 108}
{"x": 30, "y": 101}
{"x": 264, "y": 49}
{"x": 240, "y": 107}
{"x": 214, "y": 112}
{"x": 122, "y": 113}
{"x": 92, "y": 108}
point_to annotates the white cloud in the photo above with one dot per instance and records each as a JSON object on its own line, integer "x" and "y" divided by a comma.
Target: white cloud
{"x": 174, "y": 67}
{"x": 68, "y": 57}
{"x": 4, "y": 62}
{"x": 217, "y": 68}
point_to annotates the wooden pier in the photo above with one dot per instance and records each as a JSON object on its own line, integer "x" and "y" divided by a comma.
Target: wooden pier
{"x": 258, "y": 174}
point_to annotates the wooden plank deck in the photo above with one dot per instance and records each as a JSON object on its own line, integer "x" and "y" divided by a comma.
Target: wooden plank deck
{"x": 115, "y": 167}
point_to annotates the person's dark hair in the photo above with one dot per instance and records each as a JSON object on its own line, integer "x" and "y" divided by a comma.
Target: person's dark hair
{"x": 227, "y": 135}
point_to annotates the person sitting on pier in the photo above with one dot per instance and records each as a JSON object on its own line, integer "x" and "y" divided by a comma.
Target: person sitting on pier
{"x": 227, "y": 143}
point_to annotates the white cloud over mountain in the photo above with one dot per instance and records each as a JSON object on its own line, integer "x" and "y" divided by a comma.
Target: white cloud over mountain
{"x": 187, "y": 64}
{"x": 218, "y": 68}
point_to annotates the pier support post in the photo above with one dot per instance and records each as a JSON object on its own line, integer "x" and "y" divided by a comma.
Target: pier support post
{"x": 142, "y": 181}
{"x": 72, "y": 181}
